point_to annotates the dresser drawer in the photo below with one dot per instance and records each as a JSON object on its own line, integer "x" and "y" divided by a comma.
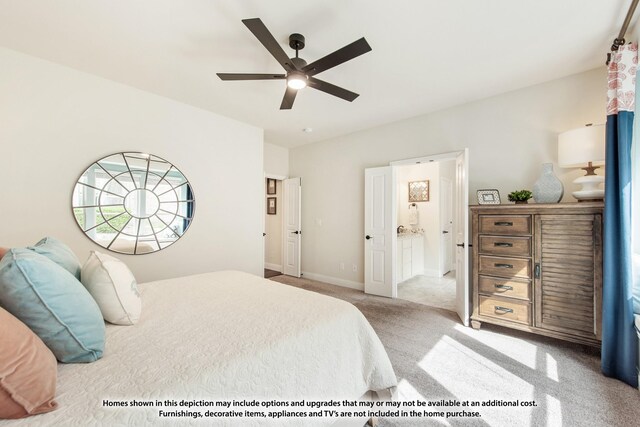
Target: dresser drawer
{"x": 516, "y": 246}
{"x": 505, "y": 224}
{"x": 506, "y": 309}
{"x": 505, "y": 288}
{"x": 505, "y": 267}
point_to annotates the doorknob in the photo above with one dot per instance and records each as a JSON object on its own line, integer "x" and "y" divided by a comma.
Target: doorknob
{"x": 460, "y": 245}
{"x": 264, "y": 234}
{"x": 295, "y": 232}
{"x": 367, "y": 237}
{"x": 445, "y": 232}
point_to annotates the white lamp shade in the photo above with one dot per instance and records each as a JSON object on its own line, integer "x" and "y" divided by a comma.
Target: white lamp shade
{"x": 580, "y": 146}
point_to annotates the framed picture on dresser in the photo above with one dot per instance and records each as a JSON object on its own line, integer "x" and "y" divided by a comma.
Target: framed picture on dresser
{"x": 488, "y": 197}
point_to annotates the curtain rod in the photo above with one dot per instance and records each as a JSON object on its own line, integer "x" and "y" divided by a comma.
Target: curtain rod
{"x": 619, "y": 41}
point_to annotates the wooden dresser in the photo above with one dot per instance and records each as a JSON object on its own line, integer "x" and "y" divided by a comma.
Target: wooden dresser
{"x": 538, "y": 268}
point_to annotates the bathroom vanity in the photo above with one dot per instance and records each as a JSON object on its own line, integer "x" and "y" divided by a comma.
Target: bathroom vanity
{"x": 410, "y": 256}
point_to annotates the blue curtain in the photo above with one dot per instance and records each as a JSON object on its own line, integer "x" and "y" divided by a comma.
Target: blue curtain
{"x": 619, "y": 339}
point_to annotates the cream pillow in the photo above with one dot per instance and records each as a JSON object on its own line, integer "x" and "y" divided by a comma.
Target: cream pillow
{"x": 112, "y": 285}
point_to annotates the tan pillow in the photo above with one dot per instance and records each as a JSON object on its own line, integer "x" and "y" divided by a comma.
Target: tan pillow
{"x": 28, "y": 370}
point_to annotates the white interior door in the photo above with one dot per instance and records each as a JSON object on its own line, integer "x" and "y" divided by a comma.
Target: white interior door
{"x": 292, "y": 198}
{"x": 446, "y": 225}
{"x": 462, "y": 236}
{"x": 379, "y": 229}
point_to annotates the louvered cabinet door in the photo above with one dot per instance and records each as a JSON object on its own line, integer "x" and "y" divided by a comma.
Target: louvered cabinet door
{"x": 568, "y": 274}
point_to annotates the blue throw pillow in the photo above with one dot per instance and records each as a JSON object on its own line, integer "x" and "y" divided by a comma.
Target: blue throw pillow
{"x": 53, "y": 304}
{"x": 59, "y": 253}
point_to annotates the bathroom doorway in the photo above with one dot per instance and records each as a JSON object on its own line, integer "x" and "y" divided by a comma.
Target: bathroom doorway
{"x": 385, "y": 212}
{"x": 425, "y": 206}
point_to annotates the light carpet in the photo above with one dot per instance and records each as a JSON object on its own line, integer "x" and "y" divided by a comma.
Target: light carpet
{"x": 435, "y": 357}
{"x": 434, "y": 291}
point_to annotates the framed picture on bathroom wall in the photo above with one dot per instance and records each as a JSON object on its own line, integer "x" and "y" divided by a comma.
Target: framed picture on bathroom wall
{"x": 419, "y": 191}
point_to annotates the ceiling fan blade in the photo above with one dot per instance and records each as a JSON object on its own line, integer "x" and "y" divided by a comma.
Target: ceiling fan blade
{"x": 338, "y": 57}
{"x": 261, "y": 32}
{"x": 289, "y": 97}
{"x": 241, "y": 76}
{"x": 334, "y": 90}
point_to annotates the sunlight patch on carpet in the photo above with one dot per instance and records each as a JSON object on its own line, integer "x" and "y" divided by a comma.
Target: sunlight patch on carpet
{"x": 554, "y": 412}
{"x": 552, "y": 368}
{"x": 518, "y": 349}
{"x": 478, "y": 378}
{"x": 407, "y": 392}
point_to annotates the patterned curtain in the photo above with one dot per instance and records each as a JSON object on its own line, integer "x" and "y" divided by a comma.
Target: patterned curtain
{"x": 619, "y": 339}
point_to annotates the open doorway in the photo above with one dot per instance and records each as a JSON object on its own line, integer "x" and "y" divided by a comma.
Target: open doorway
{"x": 425, "y": 272}
{"x": 382, "y": 244}
{"x": 282, "y": 232}
{"x": 273, "y": 238}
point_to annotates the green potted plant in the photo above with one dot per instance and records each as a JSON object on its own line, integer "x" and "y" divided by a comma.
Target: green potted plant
{"x": 520, "y": 196}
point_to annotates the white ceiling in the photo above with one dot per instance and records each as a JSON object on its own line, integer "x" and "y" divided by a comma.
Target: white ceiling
{"x": 427, "y": 54}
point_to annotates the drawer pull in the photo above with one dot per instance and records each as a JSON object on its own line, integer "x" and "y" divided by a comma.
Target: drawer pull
{"x": 505, "y": 287}
{"x": 503, "y": 224}
{"x": 499, "y": 265}
{"x": 503, "y": 245}
{"x": 503, "y": 309}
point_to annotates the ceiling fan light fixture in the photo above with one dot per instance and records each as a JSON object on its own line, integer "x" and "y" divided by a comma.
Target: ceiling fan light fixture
{"x": 299, "y": 74}
{"x": 296, "y": 81}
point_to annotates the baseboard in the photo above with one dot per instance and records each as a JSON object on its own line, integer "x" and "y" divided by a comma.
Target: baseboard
{"x": 333, "y": 280}
{"x": 274, "y": 267}
{"x": 432, "y": 273}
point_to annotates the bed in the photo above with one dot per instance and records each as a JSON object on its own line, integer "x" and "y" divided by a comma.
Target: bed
{"x": 220, "y": 336}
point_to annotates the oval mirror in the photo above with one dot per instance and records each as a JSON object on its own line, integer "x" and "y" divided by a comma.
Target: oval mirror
{"x": 133, "y": 203}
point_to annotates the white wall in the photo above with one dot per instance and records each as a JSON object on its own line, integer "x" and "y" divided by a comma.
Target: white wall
{"x": 56, "y": 121}
{"x": 426, "y": 210}
{"x": 509, "y": 136}
{"x": 273, "y": 228}
{"x": 276, "y": 160}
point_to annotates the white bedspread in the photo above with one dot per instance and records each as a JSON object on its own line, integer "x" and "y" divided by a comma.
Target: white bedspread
{"x": 223, "y": 335}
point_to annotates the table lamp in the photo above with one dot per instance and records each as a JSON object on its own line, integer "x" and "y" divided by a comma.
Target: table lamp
{"x": 584, "y": 148}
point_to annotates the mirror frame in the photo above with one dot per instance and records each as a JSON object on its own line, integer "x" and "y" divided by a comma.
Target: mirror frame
{"x": 191, "y": 203}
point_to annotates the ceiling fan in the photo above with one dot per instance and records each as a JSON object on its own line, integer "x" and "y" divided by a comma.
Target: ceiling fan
{"x": 299, "y": 74}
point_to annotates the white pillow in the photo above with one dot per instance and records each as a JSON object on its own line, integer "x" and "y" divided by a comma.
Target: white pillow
{"x": 112, "y": 285}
